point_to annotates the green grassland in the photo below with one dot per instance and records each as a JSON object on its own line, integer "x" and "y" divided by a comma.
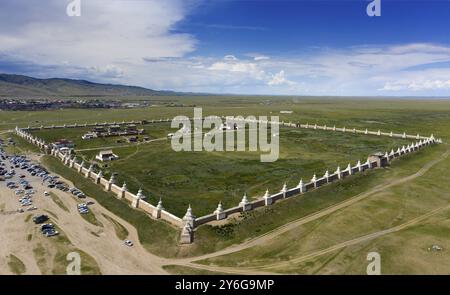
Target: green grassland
{"x": 21, "y": 146}
{"x": 153, "y": 131}
{"x": 402, "y": 252}
{"x": 121, "y": 231}
{"x": 396, "y": 115}
{"x": 58, "y": 202}
{"x": 185, "y": 270}
{"x": 203, "y": 179}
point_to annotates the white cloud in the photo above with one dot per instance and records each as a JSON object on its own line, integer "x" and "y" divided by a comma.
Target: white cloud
{"x": 261, "y": 57}
{"x": 107, "y": 34}
{"x": 230, "y": 57}
{"x": 279, "y": 79}
{"x": 111, "y": 71}
{"x": 243, "y": 67}
{"x": 251, "y": 72}
{"x": 362, "y": 70}
{"x": 232, "y": 64}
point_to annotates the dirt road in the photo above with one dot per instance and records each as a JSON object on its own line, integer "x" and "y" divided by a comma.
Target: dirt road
{"x": 121, "y": 146}
{"x": 358, "y": 240}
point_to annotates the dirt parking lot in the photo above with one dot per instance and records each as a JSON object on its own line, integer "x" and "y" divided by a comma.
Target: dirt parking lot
{"x": 21, "y": 237}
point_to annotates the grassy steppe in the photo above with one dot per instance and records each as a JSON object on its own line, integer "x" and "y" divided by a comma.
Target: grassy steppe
{"x": 402, "y": 253}
{"x": 16, "y": 266}
{"x": 121, "y": 231}
{"x": 405, "y": 251}
{"x": 203, "y": 179}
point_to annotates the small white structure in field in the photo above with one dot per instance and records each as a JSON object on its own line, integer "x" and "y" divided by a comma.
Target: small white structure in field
{"x": 107, "y": 155}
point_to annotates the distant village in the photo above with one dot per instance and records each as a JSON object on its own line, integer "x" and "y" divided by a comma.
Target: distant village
{"x": 36, "y": 104}
{"x": 25, "y": 104}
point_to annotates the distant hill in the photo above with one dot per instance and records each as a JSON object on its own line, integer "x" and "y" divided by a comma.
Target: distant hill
{"x": 24, "y": 86}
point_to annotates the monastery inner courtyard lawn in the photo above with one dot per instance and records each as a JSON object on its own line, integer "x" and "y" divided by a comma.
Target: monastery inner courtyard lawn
{"x": 203, "y": 179}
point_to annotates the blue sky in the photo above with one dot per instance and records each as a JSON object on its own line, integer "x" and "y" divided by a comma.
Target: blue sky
{"x": 288, "y": 27}
{"x": 297, "y": 47}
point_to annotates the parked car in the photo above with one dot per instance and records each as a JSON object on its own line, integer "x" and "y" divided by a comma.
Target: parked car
{"x": 40, "y": 219}
{"x": 51, "y": 233}
{"x": 47, "y": 226}
{"x": 48, "y": 229}
{"x": 83, "y": 208}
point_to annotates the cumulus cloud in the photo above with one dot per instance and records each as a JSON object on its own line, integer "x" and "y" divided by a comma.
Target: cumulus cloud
{"x": 232, "y": 64}
{"x": 279, "y": 79}
{"x": 243, "y": 67}
{"x": 251, "y": 70}
{"x": 108, "y": 34}
{"x": 375, "y": 70}
{"x": 111, "y": 71}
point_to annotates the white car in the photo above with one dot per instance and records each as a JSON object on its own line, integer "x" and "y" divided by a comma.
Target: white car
{"x": 83, "y": 211}
{"x": 46, "y": 194}
{"x": 128, "y": 243}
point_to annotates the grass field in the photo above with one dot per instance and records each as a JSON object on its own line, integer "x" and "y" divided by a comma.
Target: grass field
{"x": 153, "y": 131}
{"x": 58, "y": 201}
{"x": 404, "y": 251}
{"x": 121, "y": 231}
{"x": 203, "y": 179}
{"x": 16, "y": 265}
{"x": 185, "y": 270}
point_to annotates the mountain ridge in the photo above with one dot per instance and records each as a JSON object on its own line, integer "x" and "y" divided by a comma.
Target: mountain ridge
{"x": 12, "y": 85}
